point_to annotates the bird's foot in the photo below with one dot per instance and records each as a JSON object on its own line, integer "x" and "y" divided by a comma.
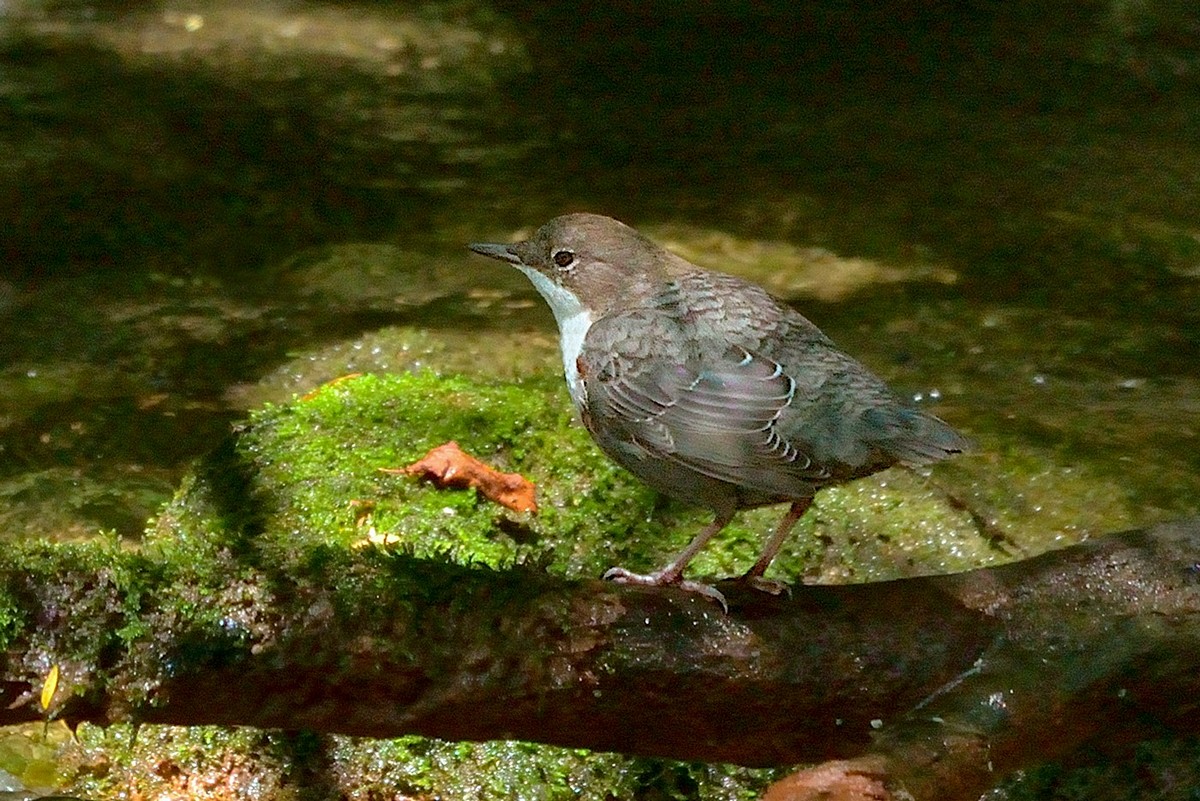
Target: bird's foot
{"x": 664, "y": 578}
{"x": 769, "y": 586}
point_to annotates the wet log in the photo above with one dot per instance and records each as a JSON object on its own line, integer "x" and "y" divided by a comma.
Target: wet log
{"x": 935, "y": 686}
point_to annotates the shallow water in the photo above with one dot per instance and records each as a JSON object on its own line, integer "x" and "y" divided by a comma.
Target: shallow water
{"x": 213, "y": 205}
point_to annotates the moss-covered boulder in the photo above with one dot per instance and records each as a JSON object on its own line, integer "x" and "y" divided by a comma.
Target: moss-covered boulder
{"x": 310, "y": 472}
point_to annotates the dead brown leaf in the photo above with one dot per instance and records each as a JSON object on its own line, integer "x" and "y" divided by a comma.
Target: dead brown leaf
{"x": 449, "y": 466}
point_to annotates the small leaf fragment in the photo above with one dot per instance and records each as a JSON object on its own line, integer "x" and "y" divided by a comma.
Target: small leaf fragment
{"x": 307, "y": 396}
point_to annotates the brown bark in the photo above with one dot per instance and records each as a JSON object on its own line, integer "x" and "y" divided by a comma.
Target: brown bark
{"x": 937, "y": 685}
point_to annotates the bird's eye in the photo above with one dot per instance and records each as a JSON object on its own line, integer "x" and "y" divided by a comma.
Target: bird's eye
{"x": 564, "y": 258}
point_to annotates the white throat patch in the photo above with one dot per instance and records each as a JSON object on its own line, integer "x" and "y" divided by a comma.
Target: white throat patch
{"x": 573, "y": 324}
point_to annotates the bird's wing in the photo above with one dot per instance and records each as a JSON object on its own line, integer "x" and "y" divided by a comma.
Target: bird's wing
{"x": 711, "y": 406}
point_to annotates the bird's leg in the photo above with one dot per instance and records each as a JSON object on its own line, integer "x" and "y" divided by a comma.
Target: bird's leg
{"x": 754, "y": 576}
{"x": 672, "y": 574}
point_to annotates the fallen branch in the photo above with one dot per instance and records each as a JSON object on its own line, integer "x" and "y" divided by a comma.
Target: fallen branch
{"x": 942, "y": 684}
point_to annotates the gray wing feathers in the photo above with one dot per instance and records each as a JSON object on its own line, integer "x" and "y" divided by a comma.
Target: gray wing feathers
{"x": 769, "y": 404}
{"x": 717, "y": 415}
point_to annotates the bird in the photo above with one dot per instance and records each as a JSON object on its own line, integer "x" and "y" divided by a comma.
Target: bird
{"x": 708, "y": 388}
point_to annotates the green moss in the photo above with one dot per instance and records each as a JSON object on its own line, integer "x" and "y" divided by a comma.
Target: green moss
{"x": 12, "y": 618}
{"x": 162, "y": 759}
{"x": 309, "y": 473}
{"x": 506, "y": 354}
{"x": 166, "y": 761}
{"x": 97, "y": 583}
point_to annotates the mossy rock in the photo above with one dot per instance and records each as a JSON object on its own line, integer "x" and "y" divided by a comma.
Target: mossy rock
{"x": 309, "y": 472}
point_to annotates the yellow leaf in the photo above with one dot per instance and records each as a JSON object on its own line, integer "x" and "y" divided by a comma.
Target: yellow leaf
{"x": 49, "y": 687}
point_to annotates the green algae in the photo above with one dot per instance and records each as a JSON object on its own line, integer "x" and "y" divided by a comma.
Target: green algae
{"x": 32, "y": 754}
{"x": 792, "y": 271}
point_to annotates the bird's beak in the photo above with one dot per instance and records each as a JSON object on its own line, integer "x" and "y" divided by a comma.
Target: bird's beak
{"x": 501, "y": 252}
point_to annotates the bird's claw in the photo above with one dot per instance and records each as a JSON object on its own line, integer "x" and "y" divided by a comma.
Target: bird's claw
{"x": 769, "y": 586}
{"x": 620, "y": 575}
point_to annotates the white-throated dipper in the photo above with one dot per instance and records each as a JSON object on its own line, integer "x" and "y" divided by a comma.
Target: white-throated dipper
{"x": 709, "y": 389}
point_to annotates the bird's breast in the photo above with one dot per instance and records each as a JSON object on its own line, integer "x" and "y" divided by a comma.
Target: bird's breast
{"x": 572, "y": 330}
{"x": 573, "y": 318}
